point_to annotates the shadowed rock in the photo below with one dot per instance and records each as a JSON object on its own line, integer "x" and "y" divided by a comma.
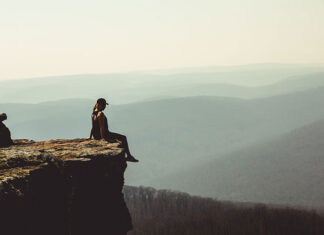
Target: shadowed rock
{"x": 71, "y": 187}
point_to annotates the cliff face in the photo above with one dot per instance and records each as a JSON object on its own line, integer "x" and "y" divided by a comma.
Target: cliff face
{"x": 59, "y": 187}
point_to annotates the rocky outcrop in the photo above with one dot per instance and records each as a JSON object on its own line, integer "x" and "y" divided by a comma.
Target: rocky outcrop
{"x": 59, "y": 187}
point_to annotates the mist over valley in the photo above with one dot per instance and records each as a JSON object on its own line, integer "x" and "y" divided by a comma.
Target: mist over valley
{"x": 192, "y": 131}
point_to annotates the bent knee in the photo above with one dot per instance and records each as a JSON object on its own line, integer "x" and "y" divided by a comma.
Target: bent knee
{"x": 117, "y": 135}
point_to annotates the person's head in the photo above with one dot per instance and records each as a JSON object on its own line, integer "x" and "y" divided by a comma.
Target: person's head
{"x": 3, "y": 117}
{"x": 101, "y": 104}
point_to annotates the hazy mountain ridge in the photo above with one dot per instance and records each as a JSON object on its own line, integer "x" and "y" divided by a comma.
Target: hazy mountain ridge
{"x": 287, "y": 169}
{"x": 130, "y": 87}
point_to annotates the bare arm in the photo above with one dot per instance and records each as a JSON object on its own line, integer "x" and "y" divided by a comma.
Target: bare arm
{"x": 91, "y": 132}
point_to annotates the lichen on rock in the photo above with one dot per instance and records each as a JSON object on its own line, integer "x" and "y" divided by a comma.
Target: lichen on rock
{"x": 71, "y": 187}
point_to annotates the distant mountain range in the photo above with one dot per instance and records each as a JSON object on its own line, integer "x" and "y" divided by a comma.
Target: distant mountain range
{"x": 288, "y": 169}
{"x": 252, "y": 81}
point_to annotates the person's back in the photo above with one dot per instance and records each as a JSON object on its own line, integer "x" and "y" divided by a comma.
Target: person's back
{"x": 96, "y": 116}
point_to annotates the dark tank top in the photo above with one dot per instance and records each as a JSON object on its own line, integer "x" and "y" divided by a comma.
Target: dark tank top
{"x": 96, "y": 127}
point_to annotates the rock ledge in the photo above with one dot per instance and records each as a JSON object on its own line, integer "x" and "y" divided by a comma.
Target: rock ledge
{"x": 61, "y": 186}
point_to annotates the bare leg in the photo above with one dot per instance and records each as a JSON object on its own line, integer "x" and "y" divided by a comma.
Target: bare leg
{"x": 123, "y": 139}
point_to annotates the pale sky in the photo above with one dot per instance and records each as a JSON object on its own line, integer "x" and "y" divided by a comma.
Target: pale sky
{"x": 43, "y": 38}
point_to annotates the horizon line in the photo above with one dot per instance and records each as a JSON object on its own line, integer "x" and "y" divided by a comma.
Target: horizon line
{"x": 166, "y": 69}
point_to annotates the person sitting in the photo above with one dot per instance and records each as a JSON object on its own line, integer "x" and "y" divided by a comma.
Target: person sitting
{"x": 100, "y": 129}
{"x": 5, "y": 136}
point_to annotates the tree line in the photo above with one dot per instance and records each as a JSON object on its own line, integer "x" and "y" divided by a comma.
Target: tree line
{"x": 164, "y": 212}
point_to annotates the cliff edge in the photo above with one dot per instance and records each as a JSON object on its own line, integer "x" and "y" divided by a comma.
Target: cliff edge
{"x": 59, "y": 187}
